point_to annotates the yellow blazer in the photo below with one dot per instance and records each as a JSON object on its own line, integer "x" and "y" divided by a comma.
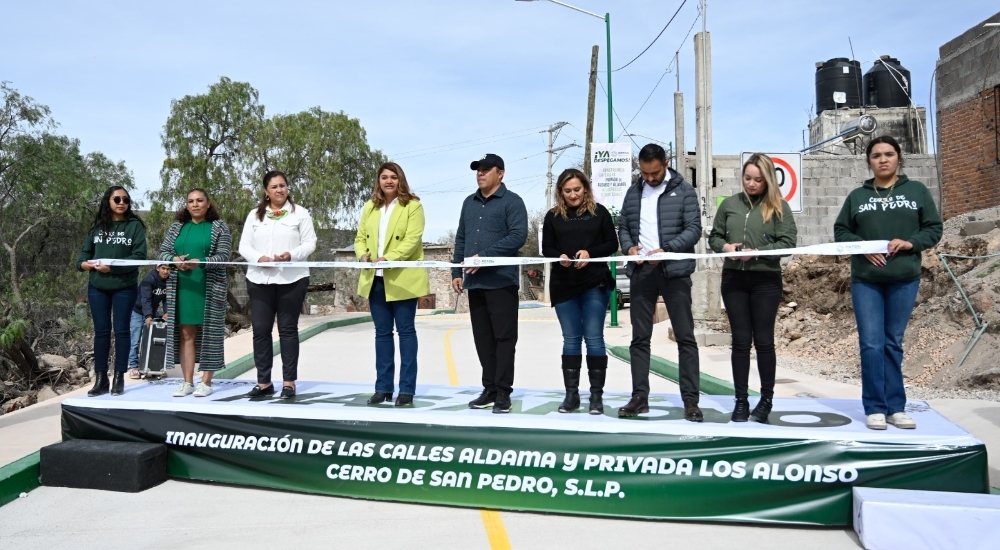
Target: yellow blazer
{"x": 404, "y": 242}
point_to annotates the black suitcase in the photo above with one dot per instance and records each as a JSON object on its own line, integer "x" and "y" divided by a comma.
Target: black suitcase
{"x": 153, "y": 350}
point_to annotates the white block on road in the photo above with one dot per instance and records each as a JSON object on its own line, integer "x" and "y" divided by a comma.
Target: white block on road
{"x": 897, "y": 518}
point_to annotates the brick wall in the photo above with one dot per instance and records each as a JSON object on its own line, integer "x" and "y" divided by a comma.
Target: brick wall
{"x": 968, "y": 76}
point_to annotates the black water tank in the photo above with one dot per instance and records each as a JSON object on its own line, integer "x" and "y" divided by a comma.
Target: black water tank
{"x": 887, "y": 84}
{"x": 837, "y": 75}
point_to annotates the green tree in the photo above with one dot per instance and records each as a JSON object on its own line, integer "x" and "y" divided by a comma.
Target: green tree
{"x": 329, "y": 163}
{"x": 210, "y": 141}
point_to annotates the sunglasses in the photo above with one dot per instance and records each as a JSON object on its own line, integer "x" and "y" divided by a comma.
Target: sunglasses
{"x": 119, "y": 200}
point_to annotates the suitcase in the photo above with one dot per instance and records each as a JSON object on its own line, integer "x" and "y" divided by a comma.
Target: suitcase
{"x": 153, "y": 350}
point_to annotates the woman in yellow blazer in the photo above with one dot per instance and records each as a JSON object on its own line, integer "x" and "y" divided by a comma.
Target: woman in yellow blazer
{"x": 392, "y": 229}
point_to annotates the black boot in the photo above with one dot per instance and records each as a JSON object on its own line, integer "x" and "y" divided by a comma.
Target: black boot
{"x": 118, "y": 383}
{"x": 100, "y": 384}
{"x": 761, "y": 411}
{"x": 597, "y": 368}
{"x": 571, "y": 379}
{"x": 741, "y": 412}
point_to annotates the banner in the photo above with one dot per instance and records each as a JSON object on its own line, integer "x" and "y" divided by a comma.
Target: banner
{"x": 611, "y": 173}
{"x": 798, "y": 470}
{"x": 826, "y": 249}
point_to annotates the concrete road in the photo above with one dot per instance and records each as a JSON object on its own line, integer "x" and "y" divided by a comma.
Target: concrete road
{"x": 202, "y": 515}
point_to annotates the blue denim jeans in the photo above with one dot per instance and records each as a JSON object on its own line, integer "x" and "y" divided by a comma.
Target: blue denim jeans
{"x": 386, "y": 314}
{"x": 582, "y": 318}
{"x": 135, "y": 327}
{"x": 111, "y": 309}
{"x": 882, "y": 311}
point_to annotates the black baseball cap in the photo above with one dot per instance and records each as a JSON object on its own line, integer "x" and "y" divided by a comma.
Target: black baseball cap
{"x": 488, "y": 161}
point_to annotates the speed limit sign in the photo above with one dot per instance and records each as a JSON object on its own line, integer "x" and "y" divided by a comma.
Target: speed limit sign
{"x": 788, "y": 169}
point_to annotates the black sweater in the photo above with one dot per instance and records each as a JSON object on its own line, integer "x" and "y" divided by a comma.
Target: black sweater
{"x": 578, "y": 231}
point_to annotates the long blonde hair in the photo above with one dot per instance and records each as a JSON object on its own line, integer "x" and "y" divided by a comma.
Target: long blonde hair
{"x": 770, "y": 204}
{"x": 403, "y": 194}
{"x": 589, "y": 204}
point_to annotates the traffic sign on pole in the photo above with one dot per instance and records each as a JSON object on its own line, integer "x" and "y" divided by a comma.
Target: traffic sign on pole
{"x": 788, "y": 169}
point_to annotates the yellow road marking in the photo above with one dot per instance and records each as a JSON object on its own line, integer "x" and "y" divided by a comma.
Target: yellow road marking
{"x": 449, "y": 359}
{"x": 496, "y": 533}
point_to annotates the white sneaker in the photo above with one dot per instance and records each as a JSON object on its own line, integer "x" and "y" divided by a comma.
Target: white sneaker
{"x": 184, "y": 389}
{"x": 902, "y": 421}
{"x": 876, "y": 422}
{"x": 204, "y": 390}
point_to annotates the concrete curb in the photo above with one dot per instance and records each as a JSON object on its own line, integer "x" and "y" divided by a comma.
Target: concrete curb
{"x": 709, "y": 384}
{"x": 18, "y": 477}
{"x": 21, "y": 475}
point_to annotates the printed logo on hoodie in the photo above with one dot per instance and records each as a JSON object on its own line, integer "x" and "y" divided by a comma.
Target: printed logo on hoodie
{"x": 112, "y": 238}
{"x": 876, "y": 204}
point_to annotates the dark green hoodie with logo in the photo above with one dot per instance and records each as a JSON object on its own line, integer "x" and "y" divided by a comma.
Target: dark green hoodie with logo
{"x": 125, "y": 240}
{"x": 906, "y": 211}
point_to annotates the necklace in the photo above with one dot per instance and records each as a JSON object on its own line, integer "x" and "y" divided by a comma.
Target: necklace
{"x": 889, "y": 193}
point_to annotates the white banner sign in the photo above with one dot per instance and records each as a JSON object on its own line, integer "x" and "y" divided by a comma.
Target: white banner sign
{"x": 611, "y": 169}
{"x": 788, "y": 169}
{"x": 825, "y": 249}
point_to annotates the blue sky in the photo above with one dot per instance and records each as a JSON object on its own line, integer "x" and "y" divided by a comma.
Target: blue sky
{"x": 438, "y": 84}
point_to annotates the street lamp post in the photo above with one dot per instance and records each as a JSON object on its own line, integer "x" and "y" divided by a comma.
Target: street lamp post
{"x": 611, "y": 126}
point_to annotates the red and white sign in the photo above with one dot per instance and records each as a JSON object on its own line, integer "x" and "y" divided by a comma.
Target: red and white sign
{"x": 788, "y": 169}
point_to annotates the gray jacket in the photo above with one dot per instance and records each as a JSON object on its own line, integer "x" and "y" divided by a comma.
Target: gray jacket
{"x": 679, "y": 222}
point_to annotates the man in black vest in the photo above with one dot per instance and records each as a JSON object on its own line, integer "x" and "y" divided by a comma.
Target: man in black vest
{"x": 660, "y": 213}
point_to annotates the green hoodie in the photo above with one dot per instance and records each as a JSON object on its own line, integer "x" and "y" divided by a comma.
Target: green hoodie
{"x": 126, "y": 240}
{"x": 740, "y": 221}
{"x": 906, "y": 212}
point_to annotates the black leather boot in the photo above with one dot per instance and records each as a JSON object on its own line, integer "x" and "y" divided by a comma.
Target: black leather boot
{"x": 741, "y": 412}
{"x": 100, "y": 384}
{"x": 571, "y": 379}
{"x": 118, "y": 383}
{"x": 761, "y": 411}
{"x": 636, "y": 406}
{"x": 597, "y": 368}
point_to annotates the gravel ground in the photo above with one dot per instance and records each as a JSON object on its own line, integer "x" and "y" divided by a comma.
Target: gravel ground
{"x": 849, "y": 375}
{"x": 839, "y": 372}
{"x": 955, "y": 224}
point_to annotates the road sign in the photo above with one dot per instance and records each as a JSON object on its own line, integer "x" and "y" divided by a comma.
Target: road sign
{"x": 788, "y": 169}
{"x": 611, "y": 167}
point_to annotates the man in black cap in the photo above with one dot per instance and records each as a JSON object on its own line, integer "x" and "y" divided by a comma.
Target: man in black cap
{"x": 493, "y": 223}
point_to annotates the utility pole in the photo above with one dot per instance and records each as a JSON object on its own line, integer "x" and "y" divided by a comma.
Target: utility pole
{"x": 703, "y": 121}
{"x": 591, "y": 97}
{"x": 680, "y": 165}
{"x": 553, "y": 132}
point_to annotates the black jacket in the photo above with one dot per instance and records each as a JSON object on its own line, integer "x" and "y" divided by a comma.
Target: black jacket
{"x": 594, "y": 233}
{"x": 152, "y": 293}
{"x": 679, "y": 222}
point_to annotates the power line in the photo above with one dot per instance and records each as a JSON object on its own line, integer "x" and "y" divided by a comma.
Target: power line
{"x": 615, "y": 111}
{"x": 464, "y": 175}
{"x": 655, "y": 39}
{"x": 625, "y": 128}
{"x": 466, "y": 141}
{"x": 479, "y": 144}
{"x": 670, "y": 68}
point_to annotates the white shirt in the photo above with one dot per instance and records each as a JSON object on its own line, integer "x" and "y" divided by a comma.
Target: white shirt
{"x": 383, "y": 228}
{"x": 293, "y": 233}
{"x": 649, "y": 217}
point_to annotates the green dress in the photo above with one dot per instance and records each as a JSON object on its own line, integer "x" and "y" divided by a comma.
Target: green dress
{"x": 195, "y": 240}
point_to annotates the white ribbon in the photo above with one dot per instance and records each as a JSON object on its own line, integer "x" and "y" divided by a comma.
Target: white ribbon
{"x": 826, "y": 249}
